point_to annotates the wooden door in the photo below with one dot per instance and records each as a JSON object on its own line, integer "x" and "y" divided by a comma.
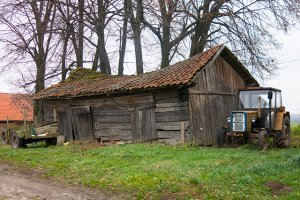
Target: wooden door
{"x": 208, "y": 113}
{"x": 143, "y": 123}
{"x": 82, "y": 123}
{"x": 65, "y": 123}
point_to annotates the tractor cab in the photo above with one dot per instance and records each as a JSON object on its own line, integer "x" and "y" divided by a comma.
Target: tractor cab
{"x": 260, "y": 115}
{"x": 256, "y": 98}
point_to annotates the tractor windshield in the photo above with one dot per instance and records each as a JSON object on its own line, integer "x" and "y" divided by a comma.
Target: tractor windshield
{"x": 253, "y": 98}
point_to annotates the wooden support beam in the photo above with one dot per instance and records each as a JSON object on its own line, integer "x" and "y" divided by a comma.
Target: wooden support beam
{"x": 211, "y": 93}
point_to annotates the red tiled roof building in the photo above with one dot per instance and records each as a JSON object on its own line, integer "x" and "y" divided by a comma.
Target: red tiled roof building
{"x": 14, "y": 107}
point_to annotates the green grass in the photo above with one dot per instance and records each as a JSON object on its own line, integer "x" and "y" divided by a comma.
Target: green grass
{"x": 156, "y": 171}
{"x": 295, "y": 128}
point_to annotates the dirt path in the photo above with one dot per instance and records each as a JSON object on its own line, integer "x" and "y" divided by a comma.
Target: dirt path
{"x": 14, "y": 185}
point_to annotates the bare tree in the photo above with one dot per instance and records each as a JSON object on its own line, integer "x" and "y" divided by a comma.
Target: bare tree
{"x": 28, "y": 31}
{"x": 172, "y": 26}
{"x": 242, "y": 25}
{"x": 65, "y": 29}
{"x": 99, "y": 15}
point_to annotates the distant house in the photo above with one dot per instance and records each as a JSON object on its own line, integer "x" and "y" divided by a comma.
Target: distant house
{"x": 185, "y": 102}
{"x": 15, "y": 107}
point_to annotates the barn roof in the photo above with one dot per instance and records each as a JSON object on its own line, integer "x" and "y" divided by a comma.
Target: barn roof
{"x": 12, "y": 107}
{"x": 179, "y": 74}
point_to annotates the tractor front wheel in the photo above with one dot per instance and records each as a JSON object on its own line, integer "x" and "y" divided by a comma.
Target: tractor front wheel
{"x": 4, "y": 137}
{"x": 16, "y": 141}
{"x": 263, "y": 140}
{"x": 283, "y": 138}
{"x": 222, "y": 137}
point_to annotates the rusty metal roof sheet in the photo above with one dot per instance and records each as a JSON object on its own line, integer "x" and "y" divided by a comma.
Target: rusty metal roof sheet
{"x": 175, "y": 75}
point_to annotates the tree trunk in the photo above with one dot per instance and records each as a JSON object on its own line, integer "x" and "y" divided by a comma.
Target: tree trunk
{"x": 166, "y": 15}
{"x": 64, "y": 70}
{"x": 79, "y": 53}
{"x": 39, "y": 85}
{"x": 204, "y": 22}
{"x": 136, "y": 29}
{"x": 138, "y": 51}
{"x": 101, "y": 52}
{"x": 123, "y": 41}
{"x": 200, "y": 37}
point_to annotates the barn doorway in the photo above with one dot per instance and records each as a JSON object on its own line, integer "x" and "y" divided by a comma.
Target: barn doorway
{"x": 82, "y": 123}
{"x": 143, "y": 123}
{"x": 209, "y": 112}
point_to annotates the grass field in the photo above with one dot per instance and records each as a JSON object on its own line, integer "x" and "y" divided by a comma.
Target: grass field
{"x": 156, "y": 171}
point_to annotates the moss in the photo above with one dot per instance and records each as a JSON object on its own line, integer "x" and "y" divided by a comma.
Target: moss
{"x": 84, "y": 73}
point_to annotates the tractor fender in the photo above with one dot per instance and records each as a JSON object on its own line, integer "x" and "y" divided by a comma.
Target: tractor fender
{"x": 286, "y": 113}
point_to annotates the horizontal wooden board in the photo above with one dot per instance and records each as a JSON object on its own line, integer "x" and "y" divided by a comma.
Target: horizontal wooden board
{"x": 167, "y": 105}
{"x": 112, "y": 131}
{"x": 171, "y": 109}
{"x": 115, "y": 137}
{"x": 171, "y": 116}
{"x": 168, "y": 100}
{"x": 99, "y": 125}
{"x": 104, "y": 110}
{"x": 112, "y": 119}
{"x": 111, "y": 100}
{"x": 170, "y": 126}
{"x": 168, "y": 135}
{"x": 169, "y": 141}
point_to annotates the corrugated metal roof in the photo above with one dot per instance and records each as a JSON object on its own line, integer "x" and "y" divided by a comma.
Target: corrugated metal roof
{"x": 179, "y": 74}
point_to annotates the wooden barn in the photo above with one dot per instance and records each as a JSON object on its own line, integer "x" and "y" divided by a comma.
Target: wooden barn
{"x": 185, "y": 102}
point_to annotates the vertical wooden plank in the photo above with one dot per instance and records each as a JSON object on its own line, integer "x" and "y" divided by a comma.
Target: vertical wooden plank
{"x": 191, "y": 119}
{"x": 153, "y": 124}
{"x": 65, "y": 123}
{"x": 82, "y": 123}
{"x": 182, "y": 131}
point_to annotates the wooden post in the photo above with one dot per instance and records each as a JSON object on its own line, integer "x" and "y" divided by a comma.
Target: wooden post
{"x": 7, "y": 123}
{"x": 182, "y": 131}
{"x": 25, "y": 124}
{"x": 55, "y": 119}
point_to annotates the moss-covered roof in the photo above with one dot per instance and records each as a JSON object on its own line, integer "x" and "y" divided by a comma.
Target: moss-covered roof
{"x": 84, "y": 73}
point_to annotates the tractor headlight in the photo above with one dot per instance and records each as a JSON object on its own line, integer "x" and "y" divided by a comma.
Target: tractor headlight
{"x": 253, "y": 119}
{"x": 229, "y": 119}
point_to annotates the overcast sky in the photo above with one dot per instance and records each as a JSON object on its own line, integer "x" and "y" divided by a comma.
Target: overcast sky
{"x": 287, "y": 78}
{"x": 288, "y": 75}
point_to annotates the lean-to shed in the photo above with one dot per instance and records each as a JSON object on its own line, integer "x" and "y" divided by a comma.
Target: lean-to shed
{"x": 185, "y": 102}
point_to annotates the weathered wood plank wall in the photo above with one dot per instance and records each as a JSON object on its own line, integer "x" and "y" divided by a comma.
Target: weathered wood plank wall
{"x": 110, "y": 116}
{"x": 170, "y": 111}
{"x": 212, "y": 99}
{"x": 112, "y": 122}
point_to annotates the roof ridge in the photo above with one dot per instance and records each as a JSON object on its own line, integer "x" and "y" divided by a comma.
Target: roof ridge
{"x": 181, "y": 73}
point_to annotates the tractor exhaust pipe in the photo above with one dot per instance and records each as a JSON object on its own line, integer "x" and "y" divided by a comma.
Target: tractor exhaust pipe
{"x": 270, "y": 96}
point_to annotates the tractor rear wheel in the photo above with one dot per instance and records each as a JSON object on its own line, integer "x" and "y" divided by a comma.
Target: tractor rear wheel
{"x": 16, "y": 141}
{"x": 263, "y": 140}
{"x": 222, "y": 137}
{"x": 283, "y": 138}
{"x": 51, "y": 141}
{"x": 3, "y": 137}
